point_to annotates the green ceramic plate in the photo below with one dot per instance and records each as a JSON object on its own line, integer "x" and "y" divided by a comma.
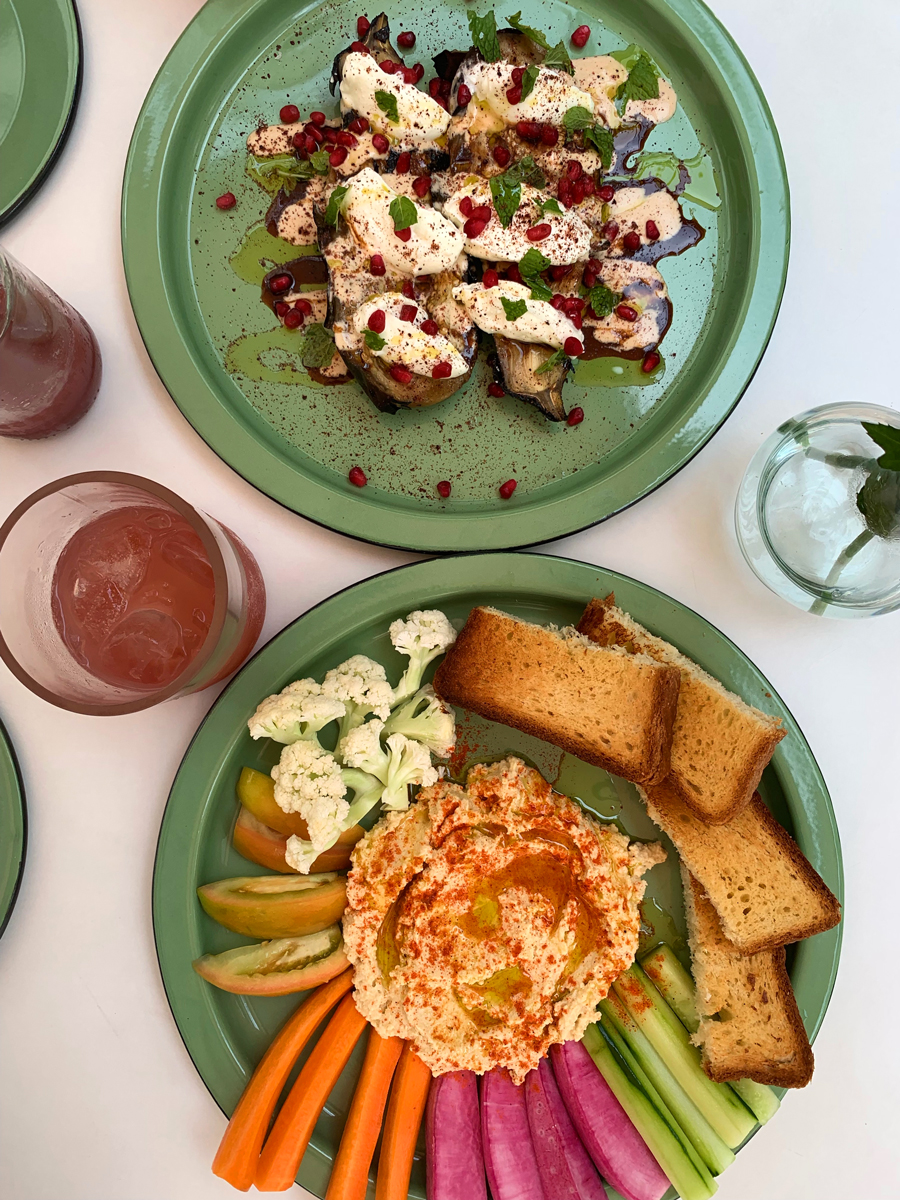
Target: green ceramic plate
{"x": 194, "y": 273}
{"x": 13, "y": 828}
{"x": 226, "y": 1035}
{"x": 40, "y": 78}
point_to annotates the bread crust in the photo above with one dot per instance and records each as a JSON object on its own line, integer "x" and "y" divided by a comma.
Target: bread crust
{"x": 488, "y": 671}
{"x": 605, "y": 624}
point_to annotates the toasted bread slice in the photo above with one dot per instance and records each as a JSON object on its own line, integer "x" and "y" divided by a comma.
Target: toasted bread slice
{"x": 720, "y": 745}
{"x": 601, "y": 704}
{"x": 750, "y": 1026}
{"x": 764, "y": 891}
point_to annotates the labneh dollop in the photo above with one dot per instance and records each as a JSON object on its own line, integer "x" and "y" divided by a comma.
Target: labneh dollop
{"x": 568, "y": 240}
{"x": 405, "y": 341}
{"x": 554, "y": 92}
{"x": 486, "y": 923}
{"x": 540, "y": 323}
{"x": 420, "y": 120}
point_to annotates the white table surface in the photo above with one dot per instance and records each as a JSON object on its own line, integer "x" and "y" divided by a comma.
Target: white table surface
{"x": 98, "y": 1098}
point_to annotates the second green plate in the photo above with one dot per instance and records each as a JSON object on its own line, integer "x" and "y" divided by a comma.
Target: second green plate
{"x": 194, "y": 274}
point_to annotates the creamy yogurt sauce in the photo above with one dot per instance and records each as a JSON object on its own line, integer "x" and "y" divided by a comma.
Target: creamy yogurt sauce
{"x": 540, "y": 323}
{"x": 644, "y": 289}
{"x": 601, "y": 76}
{"x": 554, "y": 92}
{"x": 295, "y": 222}
{"x": 421, "y": 120}
{"x": 405, "y": 341}
{"x": 569, "y": 240}
{"x": 269, "y": 140}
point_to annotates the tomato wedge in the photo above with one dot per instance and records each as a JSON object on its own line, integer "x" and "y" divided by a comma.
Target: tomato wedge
{"x": 266, "y": 846}
{"x": 276, "y": 906}
{"x": 277, "y": 967}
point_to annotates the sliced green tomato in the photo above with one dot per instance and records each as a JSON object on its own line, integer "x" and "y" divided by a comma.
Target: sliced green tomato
{"x": 278, "y": 967}
{"x": 266, "y": 847}
{"x": 276, "y": 906}
{"x": 256, "y": 792}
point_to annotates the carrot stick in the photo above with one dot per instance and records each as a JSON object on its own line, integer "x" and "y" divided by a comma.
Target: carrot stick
{"x": 401, "y": 1126}
{"x": 238, "y": 1153}
{"x": 293, "y": 1127}
{"x": 350, "y": 1173}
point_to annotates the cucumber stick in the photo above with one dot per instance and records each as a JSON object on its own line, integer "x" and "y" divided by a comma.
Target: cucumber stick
{"x": 708, "y": 1144}
{"x": 722, "y": 1108}
{"x": 690, "y": 1179}
{"x": 677, "y": 988}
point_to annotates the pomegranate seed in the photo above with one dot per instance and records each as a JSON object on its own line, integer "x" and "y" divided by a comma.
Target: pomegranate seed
{"x": 589, "y": 186}
{"x": 594, "y": 264}
{"x": 556, "y": 273}
{"x": 376, "y": 320}
{"x": 430, "y": 327}
{"x": 299, "y": 143}
{"x": 357, "y": 477}
{"x": 514, "y": 95}
{"x": 589, "y": 279}
{"x": 358, "y": 125}
{"x": 225, "y": 201}
{"x": 281, "y": 307}
{"x": 652, "y": 230}
{"x": 575, "y": 417}
{"x": 578, "y": 191}
{"x": 311, "y": 144}
{"x": 490, "y": 278}
{"x": 345, "y": 138}
{"x": 434, "y": 87}
{"x": 518, "y": 75}
{"x": 558, "y": 302}
{"x": 362, "y": 26}
{"x": 401, "y": 374}
{"x": 576, "y": 319}
{"x": 463, "y": 95}
{"x": 574, "y": 303}
{"x": 443, "y": 488}
{"x": 406, "y": 41}
{"x": 423, "y": 279}
{"x": 376, "y": 265}
{"x": 317, "y": 118}
{"x": 359, "y": 47}
{"x": 482, "y": 212}
{"x": 564, "y": 192}
{"x": 403, "y": 234}
{"x": 419, "y": 72}
{"x": 281, "y": 283}
{"x": 403, "y": 161}
{"x": 626, "y": 312}
{"x": 380, "y": 143}
{"x": 289, "y": 114}
{"x": 651, "y": 362}
{"x": 606, "y": 193}
{"x": 389, "y": 66}
{"x": 444, "y": 86}
{"x": 537, "y": 233}
{"x": 496, "y": 389}
{"x": 573, "y": 170}
{"x": 409, "y": 75}
{"x": 293, "y": 319}
{"x": 466, "y": 205}
{"x": 474, "y": 228}
{"x": 573, "y": 347}
{"x": 409, "y": 312}
{"x": 580, "y": 36}
{"x": 507, "y": 489}
{"x": 336, "y": 157}
{"x": 443, "y": 103}
{"x": 304, "y": 306}
{"x": 529, "y": 131}
{"x": 610, "y": 231}
{"x": 549, "y": 135}
{"x": 501, "y": 155}
{"x": 513, "y": 273}
{"x": 422, "y": 186}
{"x": 441, "y": 370}
{"x": 408, "y": 290}
{"x": 632, "y": 241}
{"x": 314, "y": 132}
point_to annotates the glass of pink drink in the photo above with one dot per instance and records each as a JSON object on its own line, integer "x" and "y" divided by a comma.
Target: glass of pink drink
{"x": 49, "y": 361}
{"x": 115, "y": 594}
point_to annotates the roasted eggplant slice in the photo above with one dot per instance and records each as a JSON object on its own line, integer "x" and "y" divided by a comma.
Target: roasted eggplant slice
{"x": 377, "y": 41}
{"x": 516, "y": 367}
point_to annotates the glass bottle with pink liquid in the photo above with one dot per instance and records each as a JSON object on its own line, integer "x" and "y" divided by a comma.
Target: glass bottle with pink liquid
{"x": 49, "y": 360}
{"x": 116, "y": 594}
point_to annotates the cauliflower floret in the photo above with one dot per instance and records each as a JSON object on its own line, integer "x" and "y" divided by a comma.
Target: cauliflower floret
{"x": 424, "y": 636}
{"x": 361, "y": 685}
{"x": 298, "y": 712}
{"x": 404, "y": 762}
{"x": 306, "y": 776}
{"x": 362, "y": 748}
{"x": 426, "y": 719}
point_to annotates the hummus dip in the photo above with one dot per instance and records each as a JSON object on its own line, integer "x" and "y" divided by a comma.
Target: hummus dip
{"x": 486, "y": 923}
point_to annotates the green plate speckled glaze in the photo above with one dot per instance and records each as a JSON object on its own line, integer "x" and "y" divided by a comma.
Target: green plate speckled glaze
{"x": 194, "y": 274}
{"x": 13, "y": 828}
{"x": 40, "y": 78}
{"x": 226, "y": 1035}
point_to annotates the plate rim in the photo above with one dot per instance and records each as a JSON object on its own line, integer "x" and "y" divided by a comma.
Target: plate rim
{"x": 825, "y": 807}
{"x": 73, "y": 95}
{"x": 344, "y": 509}
{"x": 15, "y": 850}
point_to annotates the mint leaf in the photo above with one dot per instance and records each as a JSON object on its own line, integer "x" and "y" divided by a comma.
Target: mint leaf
{"x": 536, "y": 36}
{"x": 549, "y": 205}
{"x": 529, "y": 79}
{"x": 506, "y": 189}
{"x": 879, "y": 502}
{"x": 888, "y": 438}
{"x": 642, "y": 82}
{"x": 318, "y": 348}
{"x": 601, "y": 139}
{"x": 335, "y": 200}
{"x": 630, "y": 55}
{"x": 373, "y": 340}
{"x": 514, "y": 308}
{"x": 602, "y": 300}
{"x": 279, "y": 171}
{"x": 403, "y": 212}
{"x": 484, "y": 35}
{"x": 320, "y": 160}
{"x": 557, "y": 357}
{"x": 558, "y": 56}
{"x": 387, "y": 102}
{"x": 530, "y": 267}
{"x": 577, "y": 118}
